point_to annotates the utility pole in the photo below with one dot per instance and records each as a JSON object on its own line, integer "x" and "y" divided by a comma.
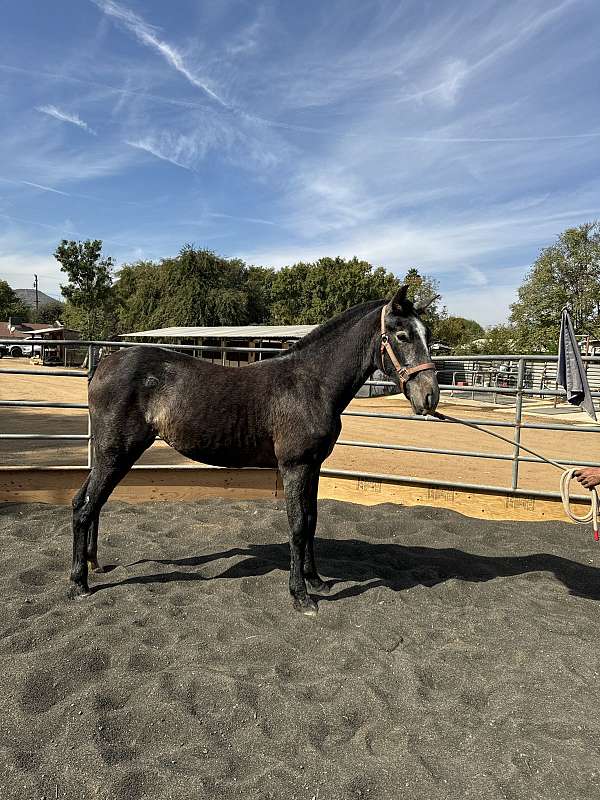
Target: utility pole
{"x": 37, "y": 303}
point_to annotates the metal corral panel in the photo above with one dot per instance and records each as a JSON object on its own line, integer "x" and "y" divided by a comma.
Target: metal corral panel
{"x": 229, "y": 332}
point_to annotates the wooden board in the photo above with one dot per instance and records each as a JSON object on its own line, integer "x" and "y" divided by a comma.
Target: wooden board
{"x": 159, "y": 484}
{"x": 482, "y": 505}
{"x": 141, "y": 485}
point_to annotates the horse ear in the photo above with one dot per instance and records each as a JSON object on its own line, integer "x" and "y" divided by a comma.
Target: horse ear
{"x": 422, "y": 305}
{"x": 398, "y": 299}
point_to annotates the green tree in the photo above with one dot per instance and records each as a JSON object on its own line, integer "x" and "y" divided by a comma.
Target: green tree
{"x": 496, "y": 340}
{"x": 11, "y": 304}
{"x": 139, "y": 293}
{"x": 259, "y": 282}
{"x": 89, "y": 294}
{"x": 457, "y": 331}
{"x": 197, "y": 287}
{"x": 49, "y": 313}
{"x": 565, "y": 274}
{"x": 204, "y": 289}
{"x": 423, "y": 287}
{"x": 311, "y": 293}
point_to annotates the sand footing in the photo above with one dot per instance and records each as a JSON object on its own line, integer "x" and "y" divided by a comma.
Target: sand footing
{"x": 452, "y": 658}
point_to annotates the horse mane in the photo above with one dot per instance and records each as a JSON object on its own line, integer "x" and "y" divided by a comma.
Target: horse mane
{"x": 348, "y": 316}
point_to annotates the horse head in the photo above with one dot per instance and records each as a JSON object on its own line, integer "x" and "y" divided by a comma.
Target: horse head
{"x": 403, "y": 353}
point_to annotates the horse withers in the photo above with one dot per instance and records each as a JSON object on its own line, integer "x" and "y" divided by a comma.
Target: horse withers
{"x": 283, "y": 413}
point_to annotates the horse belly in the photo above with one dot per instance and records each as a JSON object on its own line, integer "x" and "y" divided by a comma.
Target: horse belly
{"x": 231, "y": 446}
{"x": 230, "y": 456}
{"x": 217, "y": 433}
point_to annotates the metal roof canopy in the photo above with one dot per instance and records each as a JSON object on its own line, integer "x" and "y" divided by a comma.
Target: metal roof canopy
{"x": 54, "y": 329}
{"x": 229, "y": 332}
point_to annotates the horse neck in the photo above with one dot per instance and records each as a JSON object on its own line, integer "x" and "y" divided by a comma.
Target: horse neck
{"x": 343, "y": 360}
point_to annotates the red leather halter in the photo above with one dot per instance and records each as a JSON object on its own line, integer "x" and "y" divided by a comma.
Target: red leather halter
{"x": 404, "y": 373}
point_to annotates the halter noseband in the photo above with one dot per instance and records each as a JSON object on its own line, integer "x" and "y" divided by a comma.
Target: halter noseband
{"x": 404, "y": 373}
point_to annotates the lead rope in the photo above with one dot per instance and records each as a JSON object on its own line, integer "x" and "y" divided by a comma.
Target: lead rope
{"x": 565, "y": 479}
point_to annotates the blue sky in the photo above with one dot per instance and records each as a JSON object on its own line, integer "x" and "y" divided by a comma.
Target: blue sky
{"x": 459, "y": 138}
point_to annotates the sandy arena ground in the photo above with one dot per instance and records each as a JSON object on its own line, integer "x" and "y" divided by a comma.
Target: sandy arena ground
{"x": 453, "y": 658}
{"x": 555, "y": 444}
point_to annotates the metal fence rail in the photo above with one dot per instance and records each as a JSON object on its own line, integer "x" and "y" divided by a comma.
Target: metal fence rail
{"x": 518, "y": 392}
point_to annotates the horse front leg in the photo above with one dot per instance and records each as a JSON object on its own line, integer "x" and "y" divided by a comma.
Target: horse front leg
{"x": 92, "y": 545}
{"x": 297, "y": 481}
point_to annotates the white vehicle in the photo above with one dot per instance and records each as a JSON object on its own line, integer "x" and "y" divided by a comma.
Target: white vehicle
{"x": 23, "y": 348}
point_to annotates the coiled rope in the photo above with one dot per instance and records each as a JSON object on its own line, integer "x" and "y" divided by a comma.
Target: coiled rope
{"x": 565, "y": 478}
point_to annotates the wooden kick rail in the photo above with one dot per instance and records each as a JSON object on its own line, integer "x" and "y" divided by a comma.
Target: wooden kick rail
{"x": 159, "y": 484}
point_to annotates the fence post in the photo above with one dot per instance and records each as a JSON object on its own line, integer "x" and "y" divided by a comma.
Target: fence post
{"x": 90, "y": 372}
{"x": 518, "y": 420}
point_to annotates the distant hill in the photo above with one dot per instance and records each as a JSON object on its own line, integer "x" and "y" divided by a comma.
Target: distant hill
{"x": 28, "y": 297}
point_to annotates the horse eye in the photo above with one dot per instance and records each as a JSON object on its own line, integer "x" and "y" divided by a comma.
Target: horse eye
{"x": 402, "y": 336}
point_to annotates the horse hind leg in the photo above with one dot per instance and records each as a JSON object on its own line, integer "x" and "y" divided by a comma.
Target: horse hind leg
{"x": 87, "y": 504}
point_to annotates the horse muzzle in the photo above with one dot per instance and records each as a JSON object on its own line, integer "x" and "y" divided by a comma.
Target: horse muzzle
{"x": 422, "y": 389}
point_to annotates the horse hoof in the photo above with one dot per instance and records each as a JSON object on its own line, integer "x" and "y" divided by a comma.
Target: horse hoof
{"x": 308, "y": 607}
{"x": 78, "y": 592}
{"x": 95, "y": 567}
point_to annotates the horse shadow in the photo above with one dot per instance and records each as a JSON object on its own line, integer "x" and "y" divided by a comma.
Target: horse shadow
{"x": 369, "y": 566}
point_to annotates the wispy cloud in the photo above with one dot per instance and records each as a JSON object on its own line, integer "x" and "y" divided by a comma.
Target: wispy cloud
{"x": 155, "y": 149}
{"x": 64, "y": 116}
{"x": 454, "y": 74}
{"x": 190, "y": 137}
{"x": 36, "y": 186}
{"x": 255, "y": 220}
{"x": 247, "y": 40}
{"x": 445, "y": 91}
{"x": 63, "y": 230}
{"x": 124, "y": 91}
{"x": 147, "y": 35}
{"x": 493, "y": 139}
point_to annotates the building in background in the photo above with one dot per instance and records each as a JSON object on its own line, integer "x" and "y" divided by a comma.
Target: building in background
{"x": 28, "y": 339}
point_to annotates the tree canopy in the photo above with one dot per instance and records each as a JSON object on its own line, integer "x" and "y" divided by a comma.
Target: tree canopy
{"x": 565, "y": 274}
{"x": 457, "y": 331}
{"x": 89, "y": 292}
{"x": 49, "y": 313}
{"x": 198, "y": 287}
{"x": 311, "y": 293}
{"x": 11, "y": 304}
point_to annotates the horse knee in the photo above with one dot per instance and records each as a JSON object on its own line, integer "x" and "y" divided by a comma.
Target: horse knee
{"x": 80, "y": 499}
{"x": 83, "y": 514}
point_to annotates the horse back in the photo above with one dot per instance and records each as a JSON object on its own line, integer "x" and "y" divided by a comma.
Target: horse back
{"x": 209, "y": 413}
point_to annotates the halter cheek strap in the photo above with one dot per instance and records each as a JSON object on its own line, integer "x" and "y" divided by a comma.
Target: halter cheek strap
{"x": 404, "y": 373}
